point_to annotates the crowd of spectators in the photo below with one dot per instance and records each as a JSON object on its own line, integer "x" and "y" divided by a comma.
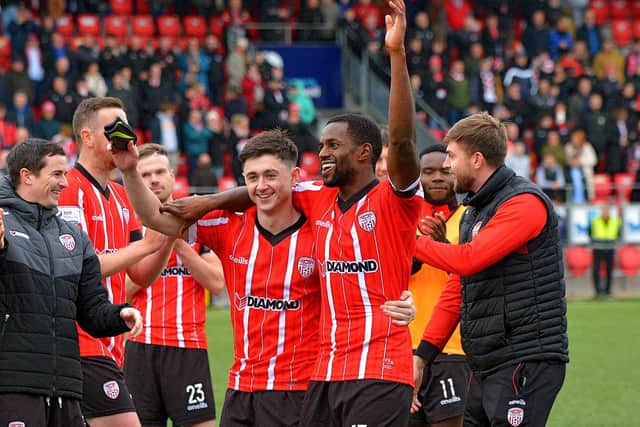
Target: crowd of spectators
{"x": 551, "y": 68}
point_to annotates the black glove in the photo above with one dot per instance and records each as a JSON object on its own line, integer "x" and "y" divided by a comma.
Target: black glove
{"x": 119, "y": 133}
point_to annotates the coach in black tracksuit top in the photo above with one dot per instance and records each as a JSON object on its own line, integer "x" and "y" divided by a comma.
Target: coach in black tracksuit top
{"x": 49, "y": 278}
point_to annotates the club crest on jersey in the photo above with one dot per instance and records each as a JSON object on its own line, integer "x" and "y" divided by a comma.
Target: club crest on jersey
{"x": 476, "y": 229}
{"x": 68, "y": 241}
{"x": 111, "y": 389}
{"x": 515, "y": 416}
{"x": 16, "y": 424}
{"x": 306, "y": 266}
{"x": 367, "y": 221}
{"x": 126, "y": 215}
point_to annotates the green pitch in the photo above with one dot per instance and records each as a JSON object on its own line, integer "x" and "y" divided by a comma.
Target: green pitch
{"x": 602, "y": 387}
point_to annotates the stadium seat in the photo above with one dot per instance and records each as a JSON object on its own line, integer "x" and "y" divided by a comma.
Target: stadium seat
{"x": 602, "y": 187}
{"x": 180, "y": 187}
{"x": 143, "y": 6}
{"x": 217, "y": 26}
{"x": 601, "y": 11}
{"x": 195, "y": 26}
{"x": 619, "y": 9}
{"x": 310, "y": 163}
{"x": 624, "y": 184}
{"x": 169, "y": 25}
{"x": 621, "y": 32}
{"x": 64, "y": 25}
{"x": 121, "y": 7}
{"x": 635, "y": 28}
{"x": 88, "y": 24}
{"x": 226, "y": 183}
{"x": 579, "y": 260}
{"x": 117, "y": 26}
{"x": 629, "y": 259}
{"x": 635, "y": 9}
{"x": 143, "y": 26}
{"x": 5, "y": 53}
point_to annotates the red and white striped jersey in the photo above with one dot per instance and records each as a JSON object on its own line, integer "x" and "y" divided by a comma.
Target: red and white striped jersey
{"x": 364, "y": 247}
{"x": 173, "y": 308}
{"x": 274, "y": 292}
{"x": 109, "y": 220}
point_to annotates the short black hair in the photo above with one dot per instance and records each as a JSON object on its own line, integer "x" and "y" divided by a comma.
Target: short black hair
{"x": 434, "y": 148}
{"x": 275, "y": 142}
{"x": 30, "y": 154}
{"x": 361, "y": 130}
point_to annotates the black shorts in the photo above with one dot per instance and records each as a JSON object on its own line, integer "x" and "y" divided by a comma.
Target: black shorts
{"x": 262, "y": 408}
{"x": 169, "y": 382}
{"x": 103, "y": 388}
{"x": 518, "y": 395}
{"x": 20, "y": 410}
{"x": 443, "y": 392}
{"x": 361, "y": 402}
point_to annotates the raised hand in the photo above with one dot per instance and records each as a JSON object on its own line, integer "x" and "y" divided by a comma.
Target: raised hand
{"x": 434, "y": 227}
{"x": 396, "y": 24}
{"x": 125, "y": 160}
{"x": 187, "y": 209}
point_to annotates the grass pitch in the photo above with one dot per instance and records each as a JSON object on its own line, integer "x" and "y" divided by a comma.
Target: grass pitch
{"x": 602, "y": 387}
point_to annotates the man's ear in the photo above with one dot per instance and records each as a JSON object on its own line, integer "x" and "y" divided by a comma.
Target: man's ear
{"x": 295, "y": 176}
{"x": 26, "y": 176}
{"x": 365, "y": 152}
{"x": 86, "y": 137}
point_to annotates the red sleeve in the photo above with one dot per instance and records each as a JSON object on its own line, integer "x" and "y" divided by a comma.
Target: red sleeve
{"x": 309, "y": 196}
{"x": 210, "y": 230}
{"x": 446, "y": 314}
{"x": 516, "y": 221}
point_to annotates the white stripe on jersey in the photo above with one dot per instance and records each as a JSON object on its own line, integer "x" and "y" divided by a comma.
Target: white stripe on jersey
{"x": 83, "y": 219}
{"x": 213, "y": 221}
{"x": 327, "y": 256}
{"x": 245, "y": 318}
{"x": 366, "y": 302}
{"x": 179, "y": 327}
{"x": 147, "y": 316}
{"x": 286, "y": 292}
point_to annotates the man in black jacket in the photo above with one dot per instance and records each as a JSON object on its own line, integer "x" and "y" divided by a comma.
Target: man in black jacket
{"x": 49, "y": 279}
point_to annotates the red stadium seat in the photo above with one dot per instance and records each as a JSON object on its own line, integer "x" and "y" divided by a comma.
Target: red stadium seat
{"x": 88, "y": 24}
{"x": 142, "y": 25}
{"x": 226, "y": 183}
{"x": 624, "y": 185}
{"x": 5, "y": 53}
{"x": 635, "y": 9}
{"x": 619, "y": 9}
{"x": 117, "y": 26}
{"x": 143, "y": 6}
{"x": 636, "y": 28}
{"x": 121, "y": 7}
{"x": 310, "y": 163}
{"x": 621, "y": 32}
{"x": 579, "y": 260}
{"x": 181, "y": 187}
{"x": 195, "y": 26}
{"x": 169, "y": 25}
{"x": 217, "y": 26}
{"x": 601, "y": 187}
{"x": 629, "y": 260}
{"x": 601, "y": 10}
{"x": 182, "y": 168}
{"x": 64, "y": 25}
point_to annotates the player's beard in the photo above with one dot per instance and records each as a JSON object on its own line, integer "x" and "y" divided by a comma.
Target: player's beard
{"x": 462, "y": 183}
{"x": 450, "y": 195}
{"x": 339, "y": 177}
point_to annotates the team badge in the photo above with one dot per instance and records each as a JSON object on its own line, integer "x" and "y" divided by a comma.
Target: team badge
{"x": 515, "y": 416}
{"x": 476, "y": 229}
{"x": 111, "y": 389}
{"x": 125, "y": 214}
{"x": 367, "y": 220}
{"x": 16, "y": 424}
{"x": 306, "y": 266}
{"x": 67, "y": 241}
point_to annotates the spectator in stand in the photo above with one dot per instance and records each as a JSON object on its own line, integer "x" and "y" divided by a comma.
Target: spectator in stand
{"x": 19, "y": 112}
{"x": 518, "y": 160}
{"x": 422, "y": 30}
{"x": 235, "y": 102}
{"x": 82, "y": 89}
{"x": 590, "y": 33}
{"x": 629, "y": 100}
{"x": 195, "y": 55}
{"x": 579, "y": 8}
{"x": 237, "y": 62}
{"x": 594, "y": 122}
{"x": 621, "y": 134}
{"x": 47, "y": 127}
{"x": 299, "y": 132}
{"x": 365, "y": 11}
{"x": 56, "y": 50}
{"x": 610, "y": 87}
{"x": 203, "y": 175}
{"x": 240, "y": 134}
{"x": 86, "y": 53}
{"x": 155, "y": 91}
{"x": 418, "y": 94}
{"x": 235, "y": 19}
{"x": 271, "y": 11}
{"x": 370, "y": 30}
{"x": 218, "y": 144}
{"x": 550, "y": 177}
{"x": 459, "y": 96}
{"x": 520, "y": 72}
{"x": 164, "y": 131}
{"x": 310, "y": 14}
{"x": 536, "y": 36}
{"x": 111, "y": 58}
{"x": 22, "y": 134}
{"x": 417, "y": 62}
{"x": 7, "y": 131}
{"x": 456, "y": 12}
{"x": 561, "y": 121}
{"x": 472, "y": 59}
{"x": 543, "y": 101}
{"x": 330, "y": 15}
{"x": 195, "y": 137}
{"x": 19, "y": 31}
{"x": 64, "y": 100}
{"x": 517, "y": 107}
{"x": 486, "y": 87}
{"x": 33, "y": 59}
{"x": 137, "y": 57}
{"x": 192, "y": 76}
{"x": 62, "y": 68}
{"x": 436, "y": 89}
{"x": 560, "y": 39}
{"x": 216, "y": 75}
{"x": 604, "y": 231}
{"x": 579, "y": 100}
{"x": 577, "y": 181}
{"x": 494, "y": 40}
{"x": 253, "y": 89}
{"x": 17, "y": 79}
{"x": 608, "y": 56}
{"x": 541, "y": 132}
{"x": 95, "y": 81}
{"x": 121, "y": 88}
{"x": 554, "y": 147}
{"x": 579, "y": 147}
{"x": 276, "y": 104}
{"x": 166, "y": 55}
{"x": 297, "y": 94}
